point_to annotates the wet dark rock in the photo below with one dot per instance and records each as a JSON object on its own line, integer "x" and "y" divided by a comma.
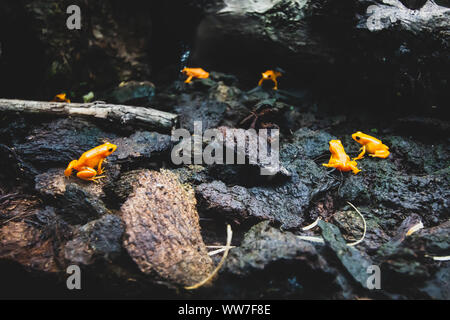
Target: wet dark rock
{"x": 227, "y": 79}
{"x": 285, "y": 203}
{"x": 408, "y": 263}
{"x": 57, "y": 143}
{"x": 31, "y": 239}
{"x": 410, "y": 221}
{"x": 131, "y": 93}
{"x": 124, "y": 186}
{"x": 355, "y": 262}
{"x": 140, "y": 149}
{"x": 79, "y": 201}
{"x": 162, "y": 232}
{"x": 420, "y": 157}
{"x": 438, "y": 287}
{"x": 253, "y": 154}
{"x": 392, "y": 193}
{"x": 352, "y": 227}
{"x": 98, "y": 239}
{"x": 192, "y": 174}
{"x": 382, "y": 71}
{"x": 263, "y": 245}
{"x": 266, "y": 250}
{"x": 208, "y": 113}
{"x": 13, "y": 169}
{"x": 313, "y": 143}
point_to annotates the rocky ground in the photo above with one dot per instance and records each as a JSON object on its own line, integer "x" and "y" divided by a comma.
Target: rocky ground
{"x": 144, "y": 231}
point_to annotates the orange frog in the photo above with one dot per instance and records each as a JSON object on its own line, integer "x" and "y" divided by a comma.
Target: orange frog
{"x": 195, "y": 73}
{"x": 270, "y": 75}
{"x": 61, "y": 98}
{"x": 371, "y": 145}
{"x": 89, "y": 160}
{"x": 339, "y": 159}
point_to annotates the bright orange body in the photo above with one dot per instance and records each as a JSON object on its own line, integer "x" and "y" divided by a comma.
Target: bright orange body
{"x": 371, "y": 145}
{"x": 61, "y": 98}
{"x": 270, "y": 75}
{"x": 339, "y": 159}
{"x": 195, "y": 73}
{"x": 85, "y": 166}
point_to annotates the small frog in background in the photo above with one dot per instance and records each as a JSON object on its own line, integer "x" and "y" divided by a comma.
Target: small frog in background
{"x": 195, "y": 73}
{"x": 61, "y": 98}
{"x": 371, "y": 145}
{"x": 270, "y": 75}
{"x": 339, "y": 159}
{"x": 89, "y": 160}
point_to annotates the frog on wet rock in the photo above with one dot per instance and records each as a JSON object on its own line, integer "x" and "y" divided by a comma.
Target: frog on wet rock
{"x": 370, "y": 145}
{"x": 195, "y": 73}
{"x": 89, "y": 165}
{"x": 339, "y": 159}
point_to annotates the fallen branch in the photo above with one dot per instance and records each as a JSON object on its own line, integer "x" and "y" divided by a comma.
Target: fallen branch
{"x": 148, "y": 118}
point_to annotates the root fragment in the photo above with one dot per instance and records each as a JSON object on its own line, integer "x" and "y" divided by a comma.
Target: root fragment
{"x": 311, "y": 239}
{"x": 365, "y": 227}
{"x": 437, "y": 258}
{"x": 312, "y": 225}
{"x": 414, "y": 228}
{"x": 219, "y": 266}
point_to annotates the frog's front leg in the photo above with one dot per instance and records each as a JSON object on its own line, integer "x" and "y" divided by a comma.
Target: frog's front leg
{"x": 332, "y": 163}
{"x": 188, "y": 80}
{"x": 88, "y": 174}
{"x": 276, "y": 84}
{"x": 100, "y": 170}
{"x": 361, "y": 155}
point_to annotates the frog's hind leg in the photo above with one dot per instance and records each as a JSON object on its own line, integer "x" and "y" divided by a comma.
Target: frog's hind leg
{"x": 88, "y": 174}
{"x": 69, "y": 170}
{"x": 380, "y": 154}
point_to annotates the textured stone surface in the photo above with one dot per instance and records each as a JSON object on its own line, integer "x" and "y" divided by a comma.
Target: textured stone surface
{"x": 162, "y": 232}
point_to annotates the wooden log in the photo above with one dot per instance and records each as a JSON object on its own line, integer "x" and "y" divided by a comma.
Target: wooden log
{"x": 150, "y": 119}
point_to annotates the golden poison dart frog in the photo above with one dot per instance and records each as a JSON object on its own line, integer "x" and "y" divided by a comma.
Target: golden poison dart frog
{"x": 270, "y": 75}
{"x": 85, "y": 166}
{"x": 339, "y": 159}
{"x": 61, "y": 98}
{"x": 195, "y": 73}
{"x": 371, "y": 145}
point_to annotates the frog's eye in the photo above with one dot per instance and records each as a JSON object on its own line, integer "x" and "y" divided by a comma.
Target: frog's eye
{"x": 357, "y": 138}
{"x": 110, "y": 149}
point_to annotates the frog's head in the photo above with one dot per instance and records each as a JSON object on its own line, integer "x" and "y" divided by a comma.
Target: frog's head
{"x": 109, "y": 148}
{"x": 268, "y": 74}
{"x": 360, "y": 137}
{"x": 336, "y": 146}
